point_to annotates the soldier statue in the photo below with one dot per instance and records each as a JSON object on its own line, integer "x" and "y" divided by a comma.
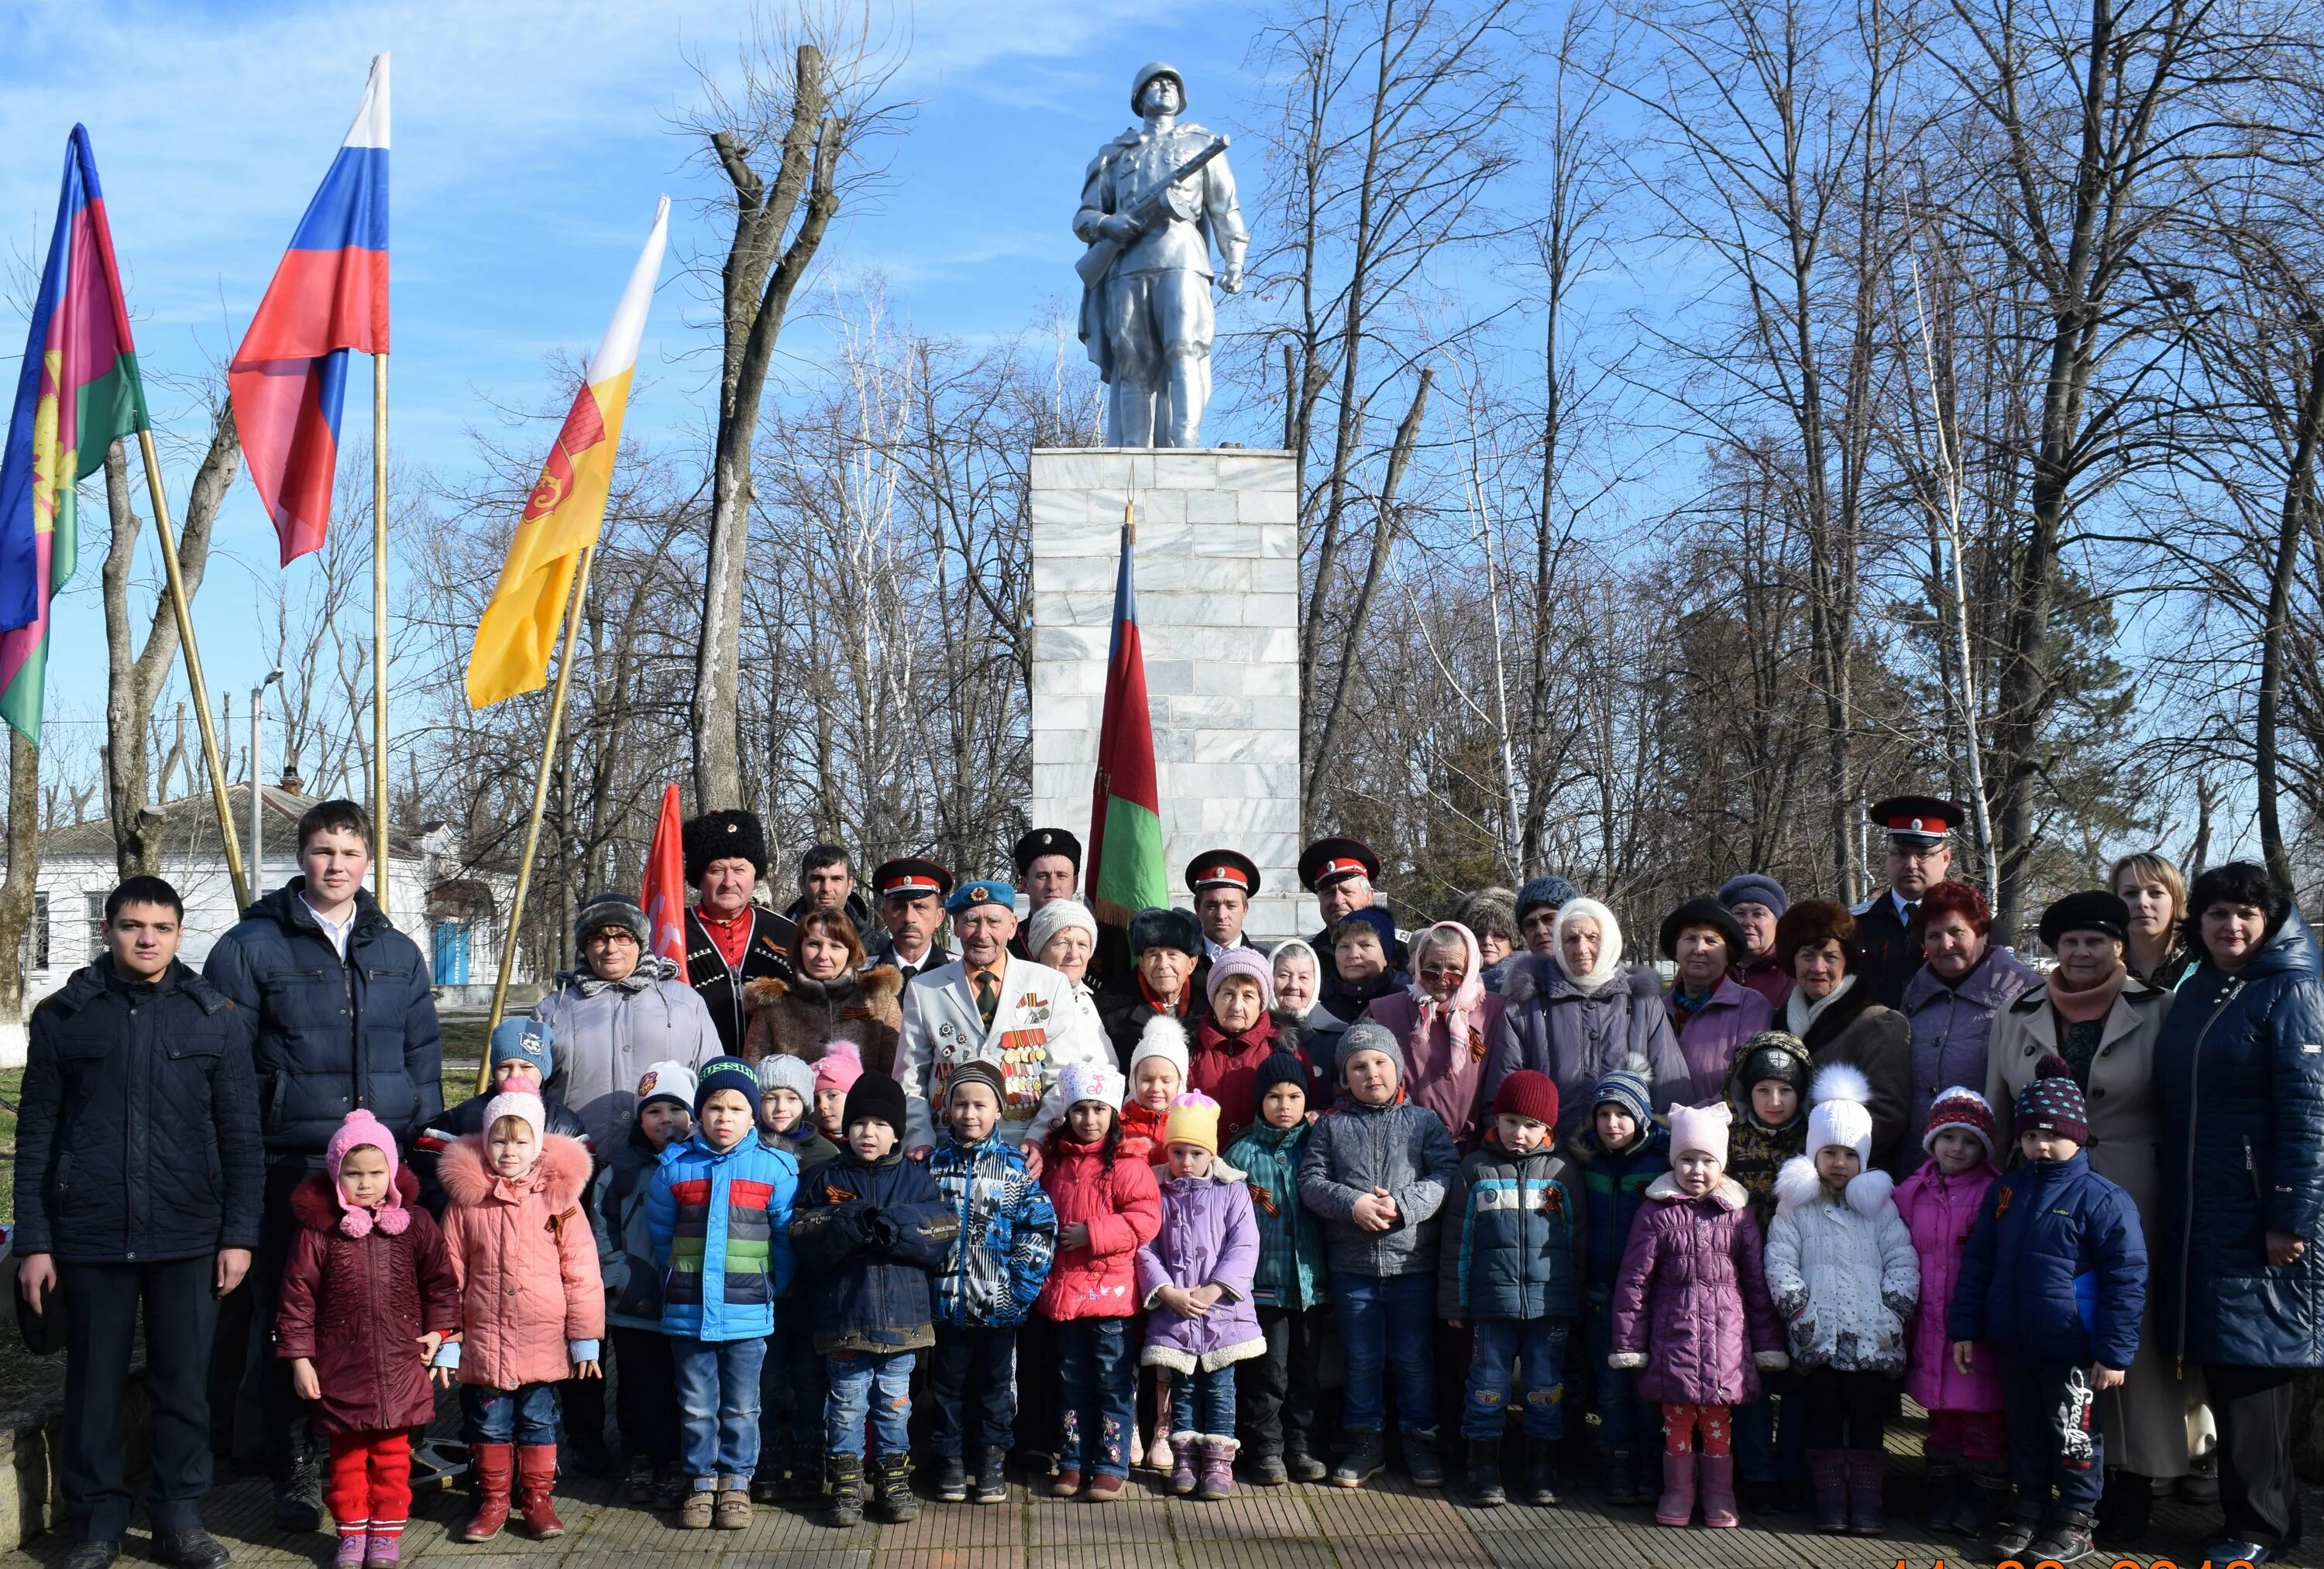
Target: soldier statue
{"x": 1154, "y": 201}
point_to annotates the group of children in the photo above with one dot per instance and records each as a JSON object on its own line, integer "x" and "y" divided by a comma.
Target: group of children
{"x": 772, "y": 1268}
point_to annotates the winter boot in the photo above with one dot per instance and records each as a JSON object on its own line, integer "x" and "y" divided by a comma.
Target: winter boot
{"x": 1677, "y": 1506}
{"x": 733, "y": 1510}
{"x": 535, "y": 1474}
{"x": 770, "y": 1483}
{"x": 495, "y": 1468}
{"x": 2011, "y": 1539}
{"x": 1186, "y": 1464}
{"x": 1948, "y": 1487}
{"x": 671, "y": 1487}
{"x": 299, "y": 1490}
{"x": 700, "y": 1507}
{"x": 992, "y": 1475}
{"x": 952, "y": 1479}
{"x": 1619, "y": 1469}
{"x": 1988, "y": 1504}
{"x": 639, "y": 1485}
{"x": 804, "y": 1480}
{"x": 1540, "y": 1488}
{"x": 1718, "y": 1491}
{"x": 892, "y": 1486}
{"x": 1264, "y": 1468}
{"x": 845, "y": 1508}
{"x": 2067, "y": 1539}
{"x": 1828, "y": 1474}
{"x": 1485, "y": 1490}
{"x": 1867, "y": 1491}
{"x": 2125, "y": 1511}
{"x": 1366, "y": 1457}
{"x": 1218, "y": 1470}
{"x": 1066, "y": 1483}
{"x": 1299, "y": 1458}
{"x": 1422, "y": 1462}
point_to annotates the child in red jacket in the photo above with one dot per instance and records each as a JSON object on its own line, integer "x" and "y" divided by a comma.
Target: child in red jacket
{"x": 367, "y": 1296}
{"x": 1108, "y": 1207}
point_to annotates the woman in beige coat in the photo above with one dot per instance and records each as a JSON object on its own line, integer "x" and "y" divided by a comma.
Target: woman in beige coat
{"x": 2104, "y": 1023}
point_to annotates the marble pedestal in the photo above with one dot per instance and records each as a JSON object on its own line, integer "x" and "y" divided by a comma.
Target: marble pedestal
{"x": 1218, "y": 608}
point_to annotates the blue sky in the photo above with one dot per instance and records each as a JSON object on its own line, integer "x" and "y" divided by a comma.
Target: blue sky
{"x": 531, "y": 139}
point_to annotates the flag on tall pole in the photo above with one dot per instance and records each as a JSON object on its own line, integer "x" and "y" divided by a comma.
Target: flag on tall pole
{"x": 568, "y": 506}
{"x": 77, "y": 392}
{"x": 663, "y": 897}
{"x": 329, "y": 295}
{"x": 1126, "y": 874}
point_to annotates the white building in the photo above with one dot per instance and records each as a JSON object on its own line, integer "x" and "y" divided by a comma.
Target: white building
{"x": 455, "y": 911}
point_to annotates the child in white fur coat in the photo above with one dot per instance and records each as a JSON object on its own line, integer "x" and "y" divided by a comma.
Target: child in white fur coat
{"x": 1842, "y": 1269}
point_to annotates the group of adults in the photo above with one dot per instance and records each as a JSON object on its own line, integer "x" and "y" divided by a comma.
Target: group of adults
{"x": 2193, "y": 1016}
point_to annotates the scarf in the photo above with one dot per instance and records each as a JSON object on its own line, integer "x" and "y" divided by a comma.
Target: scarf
{"x": 1209, "y": 1037}
{"x": 1457, "y": 1011}
{"x": 1186, "y": 998}
{"x": 1800, "y": 1014}
{"x": 838, "y": 988}
{"x": 652, "y": 969}
{"x": 2085, "y": 1007}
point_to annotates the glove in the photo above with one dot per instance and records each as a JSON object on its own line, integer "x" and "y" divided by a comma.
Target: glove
{"x": 1627, "y": 1359}
{"x": 1771, "y": 1361}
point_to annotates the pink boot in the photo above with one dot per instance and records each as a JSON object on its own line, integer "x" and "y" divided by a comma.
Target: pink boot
{"x": 1677, "y": 1505}
{"x": 1218, "y": 1469}
{"x": 1718, "y": 1491}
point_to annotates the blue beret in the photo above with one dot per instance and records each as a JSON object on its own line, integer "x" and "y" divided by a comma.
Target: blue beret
{"x": 984, "y": 891}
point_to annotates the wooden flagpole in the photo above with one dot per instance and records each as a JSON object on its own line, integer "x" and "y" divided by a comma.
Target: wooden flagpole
{"x": 539, "y": 806}
{"x": 378, "y": 629}
{"x": 198, "y": 688}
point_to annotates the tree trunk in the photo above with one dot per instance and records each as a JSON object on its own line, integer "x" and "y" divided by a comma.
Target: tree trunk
{"x": 23, "y": 870}
{"x": 2298, "y": 488}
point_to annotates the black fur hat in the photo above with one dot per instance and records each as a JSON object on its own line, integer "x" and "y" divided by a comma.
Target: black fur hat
{"x": 1159, "y": 928}
{"x": 716, "y": 836}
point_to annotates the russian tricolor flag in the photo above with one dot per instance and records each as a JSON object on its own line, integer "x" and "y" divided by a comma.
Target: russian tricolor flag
{"x": 328, "y": 295}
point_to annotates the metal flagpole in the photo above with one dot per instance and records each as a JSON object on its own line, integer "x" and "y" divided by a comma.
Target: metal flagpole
{"x": 200, "y": 688}
{"x": 378, "y": 629}
{"x": 539, "y": 806}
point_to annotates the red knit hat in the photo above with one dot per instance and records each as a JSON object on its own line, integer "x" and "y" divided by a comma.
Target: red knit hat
{"x": 1527, "y": 1093}
{"x": 1963, "y": 1108}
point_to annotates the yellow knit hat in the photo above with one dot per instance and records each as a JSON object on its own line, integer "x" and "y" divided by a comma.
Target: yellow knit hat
{"x": 1194, "y": 1120}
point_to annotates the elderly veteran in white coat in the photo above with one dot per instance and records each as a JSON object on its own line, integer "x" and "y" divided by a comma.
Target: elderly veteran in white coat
{"x": 990, "y": 1005}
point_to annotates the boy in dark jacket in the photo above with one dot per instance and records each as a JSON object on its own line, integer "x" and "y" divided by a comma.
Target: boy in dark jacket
{"x": 646, "y": 1394}
{"x": 1767, "y": 1096}
{"x": 137, "y": 1083}
{"x": 2054, "y": 1276}
{"x": 1507, "y": 1271}
{"x": 1376, "y": 1170}
{"x": 868, "y": 1230}
{"x": 790, "y": 1387}
{"x": 1620, "y": 1153}
{"x": 1276, "y": 1395}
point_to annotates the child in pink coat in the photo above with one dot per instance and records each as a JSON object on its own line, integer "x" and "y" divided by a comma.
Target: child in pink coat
{"x": 1939, "y": 1203}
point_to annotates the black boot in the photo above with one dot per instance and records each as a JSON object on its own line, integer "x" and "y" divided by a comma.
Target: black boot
{"x": 1422, "y": 1460}
{"x": 1947, "y": 1487}
{"x": 892, "y": 1488}
{"x": 1541, "y": 1473}
{"x": 952, "y": 1479}
{"x": 1619, "y": 1469}
{"x": 2067, "y": 1539}
{"x": 992, "y": 1475}
{"x": 2125, "y": 1511}
{"x": 298, "y": 1492}
{"x": 1485, "y": 1489}
{"x": 846, "y": 1507}
{"x": 1366, "y": 1457}
{"x": 1264, "y": 1468}
{"x": 1299, "y": 1457}
{"x": 2011, "y": 1539}
{"x": 1988, "y": 1504}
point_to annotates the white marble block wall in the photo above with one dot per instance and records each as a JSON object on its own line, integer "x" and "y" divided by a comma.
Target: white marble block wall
{"x": 1218, "y": 614}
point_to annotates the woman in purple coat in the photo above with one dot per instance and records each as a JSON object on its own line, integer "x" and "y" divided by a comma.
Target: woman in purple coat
{"x": 1712, "y": 1013}
{"x": 1194, "y": 1281}
{"x": 1692, "y": 1291}
{"x": 1952, "y": 999}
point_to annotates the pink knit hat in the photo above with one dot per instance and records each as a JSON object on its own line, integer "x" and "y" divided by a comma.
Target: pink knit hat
{"x": 360, "y": 1130}
{"x": 1249, "y": 964}
{"x": 839, "y": 1067}
{"x": 1700, "y": 1127}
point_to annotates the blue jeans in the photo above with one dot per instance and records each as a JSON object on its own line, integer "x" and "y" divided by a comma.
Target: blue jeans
{"x": 1205, "y": 1403}
{"x": 718, "y": 1407}
{"x": 1769, "y": 1446}
{"x": 1097, "y": 1396}
{"x": 1627, "y": 1423}
{"x": 790, "y": 1386}
{"x": 863, "y": 1383}
{"x": 523, "y": 1416}
{"x": 1500, "y": 1347}
{"x": 1387, "y": 1326}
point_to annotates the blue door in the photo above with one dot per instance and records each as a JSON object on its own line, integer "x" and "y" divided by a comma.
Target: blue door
{"x": 451, "y": 953}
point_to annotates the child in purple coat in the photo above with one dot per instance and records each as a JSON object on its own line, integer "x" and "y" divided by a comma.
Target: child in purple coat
{"x": 1966, "y": 1430}
{"x": 1195, "y": 1280}
{"x": 1691, "y": 1289}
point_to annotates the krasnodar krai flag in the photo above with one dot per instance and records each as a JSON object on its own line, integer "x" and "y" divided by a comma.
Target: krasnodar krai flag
{"x": 567, "y": 508}
{"x": 77, "y": 392}
{"x": 328, "y": 295}
{"x": 1126, "y": 874}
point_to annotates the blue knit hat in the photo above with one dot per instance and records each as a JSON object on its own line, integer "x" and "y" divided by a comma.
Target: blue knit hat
{"x": 524, "y": 1041}
{"x": 1630, "y": 1087}
{"x": 1546, "y": 892}
{"x": 1755, "y": 888}
{"x": 726, "y": 1073}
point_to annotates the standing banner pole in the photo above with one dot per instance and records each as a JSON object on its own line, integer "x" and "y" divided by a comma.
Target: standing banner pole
{"x": 194, "y": 682}
{"x": 378, "y": 629}
{"x": 539, "y": 806}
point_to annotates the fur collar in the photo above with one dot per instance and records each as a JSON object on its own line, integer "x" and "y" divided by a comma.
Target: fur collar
{"x": 559, "y": 1175}
{"x": 1797, "y": 1186}
{"x": 1539, "y": 975}
{"x": 1728, "y": 1195}
{"x": 880, "y": 981}
{"x": 314, "y": 1207}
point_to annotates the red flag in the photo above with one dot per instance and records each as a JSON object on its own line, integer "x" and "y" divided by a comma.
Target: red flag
{"x": 664, "y": 895}
{"x": 1126, "y": 874}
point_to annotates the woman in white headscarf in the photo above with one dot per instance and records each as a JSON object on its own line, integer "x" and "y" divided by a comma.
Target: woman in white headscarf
{"x": 1578, "y": 1011}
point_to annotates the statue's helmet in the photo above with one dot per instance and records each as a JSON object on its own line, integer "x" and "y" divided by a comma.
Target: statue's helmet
{"x": 1146, "y": 73}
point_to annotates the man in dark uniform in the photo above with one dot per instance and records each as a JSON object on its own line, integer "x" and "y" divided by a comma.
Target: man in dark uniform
{"x": 729, "y": 940}
{"x": 1340, "y": 872}
{"x": 1920, "y": 856}
{"x": 1223, "y": 882}
{"x": 911, "y": 893}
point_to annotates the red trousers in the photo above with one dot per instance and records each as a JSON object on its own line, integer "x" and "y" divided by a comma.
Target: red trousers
{"x": 370, "y": 1490}
{"x": 1716, "y": 1424}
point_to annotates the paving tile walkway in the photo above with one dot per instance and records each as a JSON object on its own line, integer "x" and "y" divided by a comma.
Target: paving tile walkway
{"x": 1391, "y": 1527}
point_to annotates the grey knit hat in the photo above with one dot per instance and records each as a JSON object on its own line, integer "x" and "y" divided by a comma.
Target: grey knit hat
{"x": 1549, "y": 892}
{"x": 1489, "y": 909}
{"x": 784, "y": 1071}
{"x": 1370, "y": 1035}
{"x": 618, "y": 909}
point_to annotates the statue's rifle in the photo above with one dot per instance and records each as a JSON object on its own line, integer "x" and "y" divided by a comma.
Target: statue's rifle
{"x": 1098, "y": 260}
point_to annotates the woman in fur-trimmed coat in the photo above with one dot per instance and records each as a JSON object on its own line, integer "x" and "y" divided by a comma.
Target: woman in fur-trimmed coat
{"x": 798, "y": 1018}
